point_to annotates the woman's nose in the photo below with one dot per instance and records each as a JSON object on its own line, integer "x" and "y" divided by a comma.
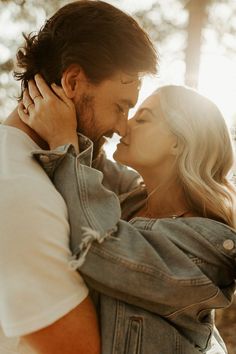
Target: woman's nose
{"x": 130, "y": 123}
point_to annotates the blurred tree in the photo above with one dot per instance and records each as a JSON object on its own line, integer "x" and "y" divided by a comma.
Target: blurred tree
{"x": 181, "y": 28}
{"x": 16, "y": 17}
{"x": 197, "y": 16}
{"x": 196, "y": 22}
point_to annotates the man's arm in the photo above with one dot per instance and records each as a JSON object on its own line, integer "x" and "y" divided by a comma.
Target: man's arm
{"x": 74, "y": 333}
{"x": 41, "y": 300}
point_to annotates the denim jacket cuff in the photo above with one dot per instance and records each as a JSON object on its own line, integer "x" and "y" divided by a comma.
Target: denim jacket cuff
{"x": 50, "y": 159}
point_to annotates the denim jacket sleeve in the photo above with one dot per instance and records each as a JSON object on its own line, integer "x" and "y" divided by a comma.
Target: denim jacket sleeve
{"x": 116, "y": 177}
{"x": 138, "y": 265}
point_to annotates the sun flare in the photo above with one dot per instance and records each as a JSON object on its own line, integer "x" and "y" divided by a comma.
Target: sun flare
{"x": 217, "y": 80}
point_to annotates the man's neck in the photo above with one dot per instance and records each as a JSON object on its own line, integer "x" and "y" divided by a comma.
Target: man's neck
{"x": 14, "y": 120}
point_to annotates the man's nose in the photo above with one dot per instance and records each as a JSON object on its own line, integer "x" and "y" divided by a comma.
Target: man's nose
{"x": 130, "y": 122}
{"x": 121, "y": 127}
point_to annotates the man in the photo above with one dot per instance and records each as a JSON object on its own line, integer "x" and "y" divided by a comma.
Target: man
{"x": 96, "y": 53}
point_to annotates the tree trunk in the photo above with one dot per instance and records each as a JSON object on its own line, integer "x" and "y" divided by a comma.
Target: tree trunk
{"x": 197, "y": 18}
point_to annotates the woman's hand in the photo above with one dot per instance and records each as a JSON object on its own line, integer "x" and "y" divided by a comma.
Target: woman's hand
{"x": 50, "y": 113}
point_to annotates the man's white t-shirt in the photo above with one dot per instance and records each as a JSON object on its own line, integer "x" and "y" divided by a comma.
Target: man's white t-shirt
{"x": 37, "y": 287}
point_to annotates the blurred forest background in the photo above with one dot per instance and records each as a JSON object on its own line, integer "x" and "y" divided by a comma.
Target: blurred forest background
{"x": 196, "y": 42}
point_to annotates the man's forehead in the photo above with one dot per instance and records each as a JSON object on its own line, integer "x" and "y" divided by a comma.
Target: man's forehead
{"x": 123, "y": 88}
{"x": 128, "y": 96}
{"x": 129, "y": 88}
{"x": 126, "y": 79}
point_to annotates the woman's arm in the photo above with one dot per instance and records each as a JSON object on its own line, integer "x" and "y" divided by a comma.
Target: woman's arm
{"x": 116, "y": 177}
{"x": 142, "y": 267}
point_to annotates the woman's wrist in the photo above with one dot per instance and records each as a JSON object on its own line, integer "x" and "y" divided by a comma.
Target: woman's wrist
{"x": 59, "y": 141}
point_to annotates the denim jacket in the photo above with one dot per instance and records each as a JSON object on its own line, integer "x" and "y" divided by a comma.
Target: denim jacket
{"x": 156, "y": 282}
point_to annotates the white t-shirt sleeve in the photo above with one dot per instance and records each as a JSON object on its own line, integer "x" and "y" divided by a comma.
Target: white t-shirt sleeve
{"x": 37, "y": 286}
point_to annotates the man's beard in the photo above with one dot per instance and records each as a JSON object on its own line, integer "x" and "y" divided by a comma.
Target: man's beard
{"x": 87, "y": 123}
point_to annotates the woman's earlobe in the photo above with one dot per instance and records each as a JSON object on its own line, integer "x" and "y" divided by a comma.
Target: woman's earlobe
{"x": 175, "y": 148}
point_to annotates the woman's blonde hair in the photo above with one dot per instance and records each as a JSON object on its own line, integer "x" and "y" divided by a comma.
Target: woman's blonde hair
{"x": 205, "y": 153}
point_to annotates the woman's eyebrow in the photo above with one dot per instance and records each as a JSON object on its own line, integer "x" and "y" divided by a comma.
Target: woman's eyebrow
{"x": 147, "y": 110}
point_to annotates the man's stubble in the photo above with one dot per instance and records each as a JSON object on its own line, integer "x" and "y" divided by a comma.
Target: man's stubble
{"x": 87, "y": 124}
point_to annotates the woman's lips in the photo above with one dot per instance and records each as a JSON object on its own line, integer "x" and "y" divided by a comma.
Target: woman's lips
{"x": 123, "y": 142}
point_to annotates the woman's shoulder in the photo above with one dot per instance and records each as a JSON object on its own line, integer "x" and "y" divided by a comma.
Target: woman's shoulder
{"x": 193, "y": 231}
{"x": 206, "y": 225}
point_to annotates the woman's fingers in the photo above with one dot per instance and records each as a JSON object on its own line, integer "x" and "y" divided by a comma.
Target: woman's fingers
{"x": 23, "y": 113}
{"x": 42, "y": 86}
{"x": 40, "y": 89}
{"x": 27, "y": 101}
{"x": 49, "y": 112}
{"x": 33, "y": 91}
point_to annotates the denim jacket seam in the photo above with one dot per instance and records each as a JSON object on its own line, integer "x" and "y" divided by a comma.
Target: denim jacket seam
{"x": 147, "y": 223}
{"x": 143, "y": 268}
{"x": 180, "y": 311}
{"x": 117, "y": 185}
{"x": 217, "y": 245}
{"x": 81, "y": 185}
{"x": 82, "y": 192}
{"x": 86, "y": 153}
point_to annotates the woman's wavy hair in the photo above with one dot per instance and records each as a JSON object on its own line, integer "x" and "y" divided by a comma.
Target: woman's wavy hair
{"x": 205, "y": 153}
{"x": 97, "y": 36}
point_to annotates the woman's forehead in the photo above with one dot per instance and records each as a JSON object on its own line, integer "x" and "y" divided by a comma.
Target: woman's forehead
{"x": 152, "y": 102}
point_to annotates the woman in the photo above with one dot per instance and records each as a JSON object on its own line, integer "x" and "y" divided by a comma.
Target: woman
{"x": 164, "y": 264}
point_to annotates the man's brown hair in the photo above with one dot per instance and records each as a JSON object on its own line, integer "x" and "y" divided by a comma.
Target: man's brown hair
{"x": 93, "y": 34}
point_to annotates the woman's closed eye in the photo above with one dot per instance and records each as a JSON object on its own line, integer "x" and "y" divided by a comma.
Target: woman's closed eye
{"x": 140, "y": 120}
{"x": 144, "y": 115}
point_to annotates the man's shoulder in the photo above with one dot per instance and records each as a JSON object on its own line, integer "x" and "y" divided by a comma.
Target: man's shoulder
{"x": 21, "y": 176}
{"x": 29, "y": 213}
{"x": 16, "y": 159}
{"x": 31, "y": 194}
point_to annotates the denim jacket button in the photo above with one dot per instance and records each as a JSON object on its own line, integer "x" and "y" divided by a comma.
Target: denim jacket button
{"x": 228, "y": 244}
{"x": 44, "y": 158}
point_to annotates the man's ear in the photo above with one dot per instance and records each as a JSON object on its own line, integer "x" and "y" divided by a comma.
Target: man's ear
{"x": 73, "y": 78}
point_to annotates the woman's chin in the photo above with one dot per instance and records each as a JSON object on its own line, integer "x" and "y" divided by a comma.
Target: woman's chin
{"x": 118, "y": 157}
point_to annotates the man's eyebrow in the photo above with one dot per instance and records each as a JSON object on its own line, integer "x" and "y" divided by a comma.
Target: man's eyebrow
{"x": 128, "y": 103}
